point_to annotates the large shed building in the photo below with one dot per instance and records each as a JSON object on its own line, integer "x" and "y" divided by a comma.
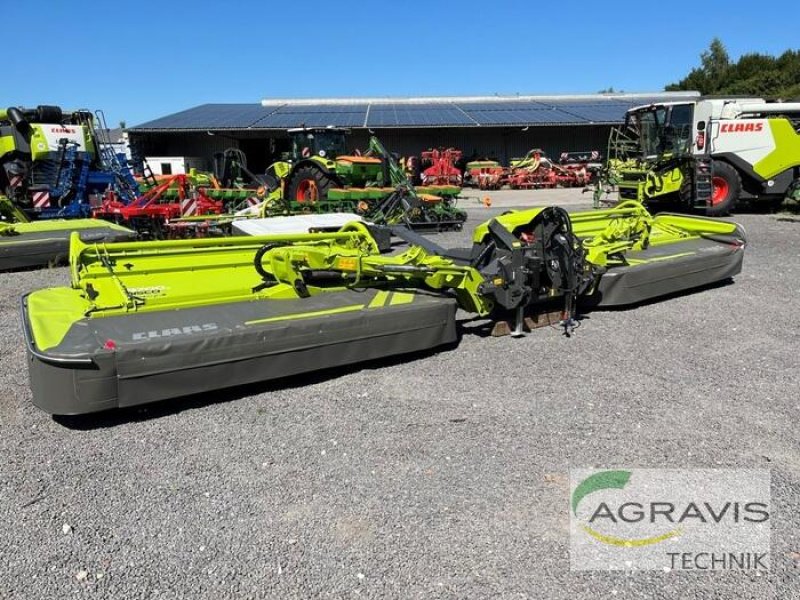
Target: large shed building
{"x": 498, "y": 127}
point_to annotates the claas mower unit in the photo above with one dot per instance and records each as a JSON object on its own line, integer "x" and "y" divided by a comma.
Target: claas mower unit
{"x": 150, "y": 321}
{"x": 25, "y": 244}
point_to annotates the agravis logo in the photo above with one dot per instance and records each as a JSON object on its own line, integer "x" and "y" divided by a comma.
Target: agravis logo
{"x": 631, "y": 518}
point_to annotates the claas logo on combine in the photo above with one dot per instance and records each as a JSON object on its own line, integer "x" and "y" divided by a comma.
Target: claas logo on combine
{"x": 741, "y": 127}
{"x": 62, "y": 130}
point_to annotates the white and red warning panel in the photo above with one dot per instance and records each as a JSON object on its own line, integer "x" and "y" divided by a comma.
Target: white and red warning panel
{"x": 40, "y": 199}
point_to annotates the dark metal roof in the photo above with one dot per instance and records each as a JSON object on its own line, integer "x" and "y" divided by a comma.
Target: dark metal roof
{"x": 409, "y": 112}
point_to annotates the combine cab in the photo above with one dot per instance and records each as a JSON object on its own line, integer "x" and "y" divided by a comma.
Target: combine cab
{"x": 53, "y": 164}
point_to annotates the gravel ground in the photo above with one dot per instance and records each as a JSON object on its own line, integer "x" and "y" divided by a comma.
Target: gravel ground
{"x": 435, "y": 476}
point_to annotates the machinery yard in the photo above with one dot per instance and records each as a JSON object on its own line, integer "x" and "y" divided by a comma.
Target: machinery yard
{"x": 420, "y": 301}
{"x": 441, "y": 474}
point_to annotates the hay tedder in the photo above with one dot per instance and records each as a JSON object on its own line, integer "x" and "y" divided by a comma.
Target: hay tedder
{"x": 146, "y": 321}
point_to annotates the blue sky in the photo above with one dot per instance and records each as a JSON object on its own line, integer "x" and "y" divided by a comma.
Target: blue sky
{"x": 141, "y": 60}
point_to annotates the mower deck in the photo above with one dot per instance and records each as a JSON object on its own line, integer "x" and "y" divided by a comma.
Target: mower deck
{"x": 664, "y": 270}
{"x": 127, "y": 360}
{"x": 24, "y": 245}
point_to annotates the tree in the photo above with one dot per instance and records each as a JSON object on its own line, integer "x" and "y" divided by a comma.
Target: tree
{"x": 715, "y": 63}
{"x": 753, "y": 74}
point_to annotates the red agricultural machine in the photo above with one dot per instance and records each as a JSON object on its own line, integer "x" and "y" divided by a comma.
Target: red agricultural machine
{"x": 589, "y": 163}
{"x": 150, "y": 214}
{"x": 440, "y": 167}
{"x": 536, "y": 170}
{"x": 485, "y": 174}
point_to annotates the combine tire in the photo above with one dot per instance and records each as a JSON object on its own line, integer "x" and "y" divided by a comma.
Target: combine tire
{"x": 726, "y": 188}
{"x": 308, "y": 185}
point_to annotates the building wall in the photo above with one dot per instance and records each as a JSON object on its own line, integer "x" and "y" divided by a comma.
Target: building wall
{"x": 499, "y": 143}
{"x": 180, "y": 144}
{"x": 263, "y": 147}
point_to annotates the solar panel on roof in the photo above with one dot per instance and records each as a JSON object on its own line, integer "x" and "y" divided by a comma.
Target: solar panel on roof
{"x": 567, "y": 110}
{"x": 499, "y": 105}
{"x": 522, "y": 117}
{"x": 610, "y": 111}
{"x": 324, "y": 108}
{"x": 407, "y": 115}
{"x": 212, "y": 116}
{"x": 310, "y": 119}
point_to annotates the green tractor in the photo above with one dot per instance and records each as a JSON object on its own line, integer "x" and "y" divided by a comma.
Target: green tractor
{"x": 319, "y": 163}
{"x": 319, "y": 175}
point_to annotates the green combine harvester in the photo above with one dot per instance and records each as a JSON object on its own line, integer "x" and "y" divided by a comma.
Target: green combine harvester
{"x": 142, "y": 322}
{"x": 706, "y": 155}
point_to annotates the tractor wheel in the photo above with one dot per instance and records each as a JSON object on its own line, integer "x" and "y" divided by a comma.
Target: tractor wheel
{"x": 308, "y": 186}
{"x": 726, "y": 188}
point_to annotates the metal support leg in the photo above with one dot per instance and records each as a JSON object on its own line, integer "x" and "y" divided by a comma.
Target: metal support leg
{"x": 519, "y": 322}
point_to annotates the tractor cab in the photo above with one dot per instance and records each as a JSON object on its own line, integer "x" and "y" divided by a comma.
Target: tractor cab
{"x": 325, "y": 143}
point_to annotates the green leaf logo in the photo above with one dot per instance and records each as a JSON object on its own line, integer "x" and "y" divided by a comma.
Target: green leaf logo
{"x": 606, "y": 480}
{"x": 603, "y": 480}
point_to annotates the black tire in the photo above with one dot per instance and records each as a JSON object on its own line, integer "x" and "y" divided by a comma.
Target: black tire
{"x": 727, "y": 187}
{"x": 303, "y": 180}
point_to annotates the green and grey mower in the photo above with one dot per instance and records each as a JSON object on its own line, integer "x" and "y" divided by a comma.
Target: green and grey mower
{"x": 151, "y": 321}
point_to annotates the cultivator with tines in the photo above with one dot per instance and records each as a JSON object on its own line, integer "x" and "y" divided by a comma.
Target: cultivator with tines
{"x": 151, "y": 213}
{"x": 233, "y": 199}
